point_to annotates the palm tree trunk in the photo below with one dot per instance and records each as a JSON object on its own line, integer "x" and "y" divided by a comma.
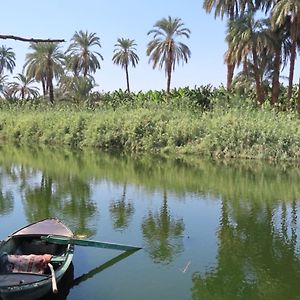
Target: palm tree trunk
{"x": 275, "y": 80}
{"x": 169, "y": 67}
{"x": 44, "y": 87}
{"x": 291, "y": 73}
{"x": 85, "y": 72}
{"x": 127, "y": 78}
{"x": 230, "y": 66}
{"x": 169, "y": 72}
{"x": 259, "y": 91}
{"x": 169, "y": 75}
{"x": 298, "y": 100}
{"x": 230, "y": 71}
{"x": 51, "y": 93}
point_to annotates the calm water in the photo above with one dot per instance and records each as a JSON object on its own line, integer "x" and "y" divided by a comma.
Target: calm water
{"x": 209, "y": 230}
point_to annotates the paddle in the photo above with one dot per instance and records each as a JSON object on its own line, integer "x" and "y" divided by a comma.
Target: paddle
{"x": 54, "y": 285}
{"x": 88, "y": 243}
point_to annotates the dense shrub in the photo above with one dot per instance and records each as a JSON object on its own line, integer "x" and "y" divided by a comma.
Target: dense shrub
{"x": 202, "y": 121}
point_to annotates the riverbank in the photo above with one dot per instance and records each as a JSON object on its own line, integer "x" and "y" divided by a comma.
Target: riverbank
{"x": 224, "y": 133}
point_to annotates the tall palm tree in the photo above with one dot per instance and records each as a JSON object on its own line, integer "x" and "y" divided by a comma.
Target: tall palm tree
{"x": 44, "y": 64}
{"x": 247, "y": 36}
{"x": 282, "y": 10}
{"x": 125, "y": 55}
{"x": 281, "y": 48}
{"x": 7, "y": 59}
{"x": 164, "y": 50}
{"x": 23, "y": 87}
{"x": 231, "y": 9}
{"x": 86, "y": 60}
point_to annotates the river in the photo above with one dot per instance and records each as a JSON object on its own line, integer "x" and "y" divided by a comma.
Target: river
{"x": 209, "y": 229}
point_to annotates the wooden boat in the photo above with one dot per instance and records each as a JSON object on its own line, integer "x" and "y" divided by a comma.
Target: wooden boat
{"x": 29, "y": 265}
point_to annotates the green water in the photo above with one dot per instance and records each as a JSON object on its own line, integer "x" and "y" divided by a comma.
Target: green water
{"x": 209, "y": 230}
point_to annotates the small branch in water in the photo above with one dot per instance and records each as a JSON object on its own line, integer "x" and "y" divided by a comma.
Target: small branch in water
{"x": 186, "y": 267}
{"x": 32, "y": 40}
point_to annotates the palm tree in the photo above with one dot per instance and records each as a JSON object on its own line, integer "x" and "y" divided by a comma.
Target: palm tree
{"x": 22, "y": 87}
{"x": 3, "y": 83}
{"x": 280, "y": 12}
{"x": 247, "y": 36}
{"x": 7, "y": 59}
{"x": 76, "y": 87}
{"x": 44, "y": 64}
{"x": 230, "y": 9}
{"x": 163, "y": 50}
{"x": 245, "y": 80}
{"x": 86, "y": 60}
{"x": 125, "y": 55}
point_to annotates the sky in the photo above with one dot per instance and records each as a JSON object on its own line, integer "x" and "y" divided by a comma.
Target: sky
{"x": 110, "y": 20}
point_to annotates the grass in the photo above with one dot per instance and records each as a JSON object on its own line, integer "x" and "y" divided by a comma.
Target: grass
{"x": 249, "y": 132}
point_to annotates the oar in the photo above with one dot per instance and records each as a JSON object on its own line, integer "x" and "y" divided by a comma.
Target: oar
{"x": 88, "y": 243}
{"x": 54, "y": 285}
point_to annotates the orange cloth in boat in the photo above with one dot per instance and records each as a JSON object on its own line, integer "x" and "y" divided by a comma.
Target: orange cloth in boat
{"x": 28, "y": 263}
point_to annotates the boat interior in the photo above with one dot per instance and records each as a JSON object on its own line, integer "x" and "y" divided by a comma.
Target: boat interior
{"x": 30, "y": 250}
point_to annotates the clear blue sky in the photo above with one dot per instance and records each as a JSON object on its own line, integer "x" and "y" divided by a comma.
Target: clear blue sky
{"x": 113, "y": 19}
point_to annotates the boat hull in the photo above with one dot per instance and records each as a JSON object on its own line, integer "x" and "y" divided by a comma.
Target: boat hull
{"x": 31, "y": 286}
{"x": 34, "y": 290}
{"x": 26, "y": 292}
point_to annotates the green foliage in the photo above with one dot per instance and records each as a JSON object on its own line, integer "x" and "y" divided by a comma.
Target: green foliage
{"x": 202, "y": 121}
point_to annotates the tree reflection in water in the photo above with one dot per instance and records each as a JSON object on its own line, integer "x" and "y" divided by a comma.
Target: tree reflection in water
{"x": 257, "y": 256}
{"x": 6, "y": 196}
{"x": 121, "y": 211}
{"x": 67, "y": 198}
{"x": 163, "y": 234}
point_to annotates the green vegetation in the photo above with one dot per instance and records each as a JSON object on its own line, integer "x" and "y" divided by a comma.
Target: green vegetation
{"x": 263, "y": 46}
{"x": 163, "y": 50}
{"x": 125, "y": 55}
{"x": 201, "y": 121}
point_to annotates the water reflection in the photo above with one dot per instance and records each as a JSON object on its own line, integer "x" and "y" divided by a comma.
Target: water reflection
{"x": 258, "y": 203}
{"x": 6, "y": 202}
{"x": 257, "y": 255}
{"x": 68, "y": 281}
{"x": 121, "y": 211}
{"x": 163, "y": 234}
{"x": 6, "y": 196}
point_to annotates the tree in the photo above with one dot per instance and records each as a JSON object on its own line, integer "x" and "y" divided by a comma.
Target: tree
{"x": 125, "y": 55}
{"x": 86, "y": 60}
{"x": 164, "y": 50}
{"x": 247, "y": 36}
{"x": 44, "y": 64}
{"x": 76, "y": 87}
{"x": 22, "y": 87}
{"x": 280, "y": 12}
{"x": 3, "y": 84}
{"x": 7, "y": 59}
{"x": 244, "y": 81}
